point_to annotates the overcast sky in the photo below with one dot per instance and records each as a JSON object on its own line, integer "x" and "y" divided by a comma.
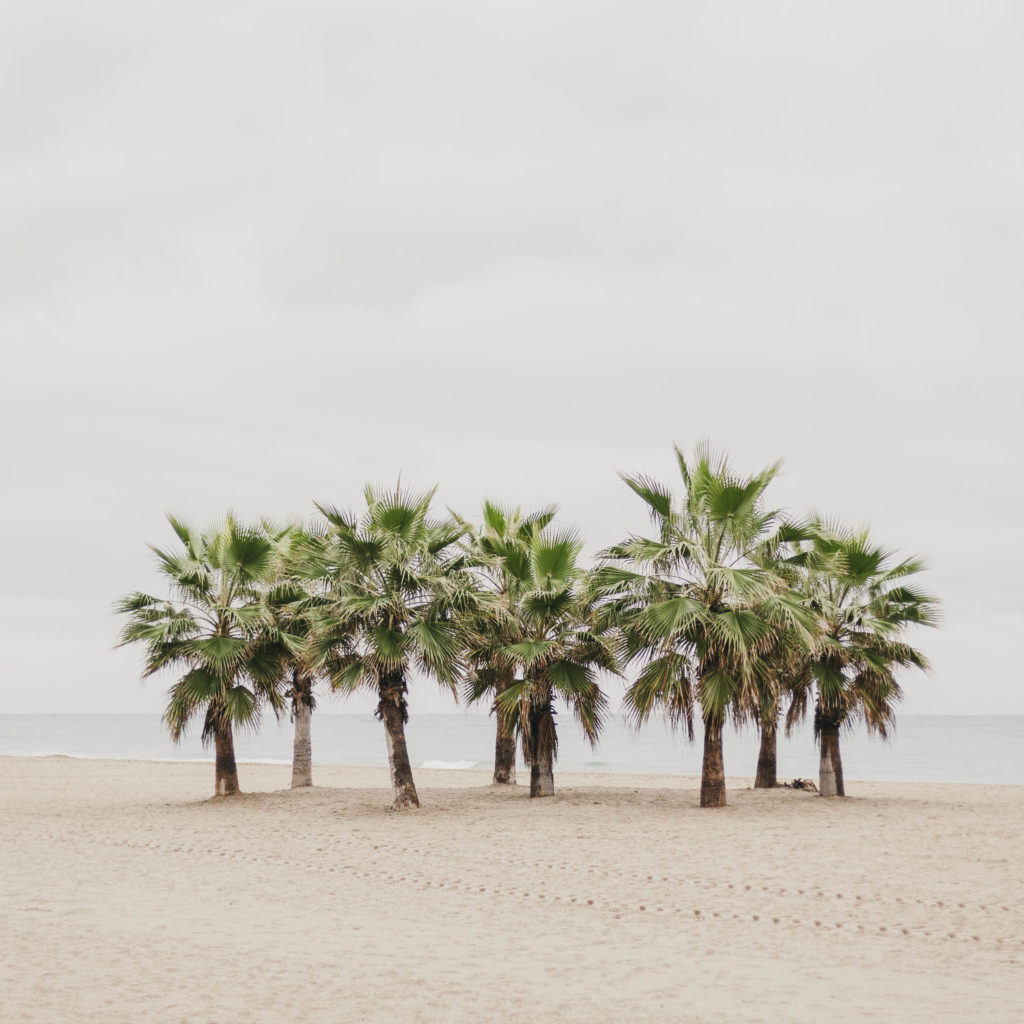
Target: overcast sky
{"x": 253, "y": 255}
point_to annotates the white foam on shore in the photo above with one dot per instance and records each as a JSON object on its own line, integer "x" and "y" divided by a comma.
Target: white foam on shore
{"x": 449, "y": 766}
{"x": 183, "y": 759}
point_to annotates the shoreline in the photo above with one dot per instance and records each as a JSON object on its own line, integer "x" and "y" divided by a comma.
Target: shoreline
{"x": 982, "y": 750}
{"x": 732, "y": 781}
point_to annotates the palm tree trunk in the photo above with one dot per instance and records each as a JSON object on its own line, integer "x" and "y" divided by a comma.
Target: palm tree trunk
{"x": 767, "y": 777}
{"x": 393, "y": 711}
{"x": 830, "y": 766}
{"x": 226, "y": 770}
{"x": 302, "y": 750}
{"x": 542, "y": 778}
{"x": 505, "y": 741}
{"x": 712, "y": 779}
{"x": 543, "y": 743}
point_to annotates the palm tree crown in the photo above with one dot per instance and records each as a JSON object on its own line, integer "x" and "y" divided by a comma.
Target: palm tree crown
{"x": 398, "y": 585}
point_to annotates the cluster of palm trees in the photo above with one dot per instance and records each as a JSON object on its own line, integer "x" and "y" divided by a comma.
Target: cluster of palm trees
{"x": 728, "y": 610}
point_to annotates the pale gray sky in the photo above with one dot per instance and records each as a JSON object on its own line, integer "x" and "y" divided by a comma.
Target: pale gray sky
{"x": 254, "y": 254}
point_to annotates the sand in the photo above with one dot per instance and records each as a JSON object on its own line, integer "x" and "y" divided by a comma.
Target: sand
{"x": 126, "y": 894}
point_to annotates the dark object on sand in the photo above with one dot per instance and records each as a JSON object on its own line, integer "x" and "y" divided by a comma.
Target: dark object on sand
{"x": 804, "y": 784}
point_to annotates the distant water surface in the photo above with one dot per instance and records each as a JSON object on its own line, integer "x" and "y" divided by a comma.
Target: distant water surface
{"x": 925, "y": 748}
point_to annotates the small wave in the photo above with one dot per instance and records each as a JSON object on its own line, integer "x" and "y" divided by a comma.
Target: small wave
{"x": 39, "y": 753}
{"x": 268, "y": 760}
{"x": 180, "y": 759}
{"x": 450, "y": 766}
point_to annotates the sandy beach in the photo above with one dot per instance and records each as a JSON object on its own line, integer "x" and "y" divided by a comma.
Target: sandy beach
{"x": 126, "y": 894}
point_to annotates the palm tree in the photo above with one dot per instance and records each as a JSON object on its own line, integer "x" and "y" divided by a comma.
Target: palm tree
{"x": 776, "y": 674}
{"x": 866, "y": 604}
{"x": 215, "y": 630}
{"x": 303, "y": 701}
{"x": 694, "y": 605}
{"x": 501, "y": 549}
{"x": 399, "y": 594}
{"x": 295, "y": 610}
{"x": 780, "y": 670}
{"x": 558, "y": 653}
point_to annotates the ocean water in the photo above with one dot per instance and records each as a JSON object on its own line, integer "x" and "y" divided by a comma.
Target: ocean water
{"x": 925, "y": 748}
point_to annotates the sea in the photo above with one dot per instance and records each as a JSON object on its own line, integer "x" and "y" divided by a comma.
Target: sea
{"x": 923, "y": 748}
